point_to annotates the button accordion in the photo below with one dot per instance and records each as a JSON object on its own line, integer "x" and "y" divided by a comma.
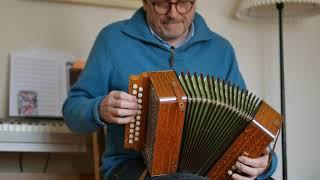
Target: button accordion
{"x": 197, "y": 124}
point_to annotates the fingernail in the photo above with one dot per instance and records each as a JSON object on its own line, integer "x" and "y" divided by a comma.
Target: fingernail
{"x": 238, "y": 164}
{"x": 240, "y": 158}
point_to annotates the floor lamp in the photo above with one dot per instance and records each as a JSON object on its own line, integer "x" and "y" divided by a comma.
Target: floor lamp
{"x": 278, "y": 11}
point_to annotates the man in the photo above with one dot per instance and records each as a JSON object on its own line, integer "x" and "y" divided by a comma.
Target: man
{"x": 165, "y": 34}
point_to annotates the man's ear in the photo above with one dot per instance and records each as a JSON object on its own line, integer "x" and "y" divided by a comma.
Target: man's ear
{"x": 144, "y": 4}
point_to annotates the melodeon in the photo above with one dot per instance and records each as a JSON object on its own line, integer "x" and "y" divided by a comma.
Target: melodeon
{"x": 197, "y": 124}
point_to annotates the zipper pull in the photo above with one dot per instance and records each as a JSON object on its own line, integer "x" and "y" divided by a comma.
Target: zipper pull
{"x": 171, "y": 57}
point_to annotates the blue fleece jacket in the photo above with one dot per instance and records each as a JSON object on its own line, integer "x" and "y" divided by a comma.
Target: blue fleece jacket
{"x": 128, "y": 47}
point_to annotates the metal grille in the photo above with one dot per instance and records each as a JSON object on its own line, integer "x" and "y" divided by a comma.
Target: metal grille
{"x": 151, "y": 123}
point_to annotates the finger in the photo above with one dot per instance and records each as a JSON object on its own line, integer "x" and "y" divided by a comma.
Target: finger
{"x": 123, "y": 104}
{"x": 123, "y": 95}
{"x": 266, "y": 151}
{"x": 118, "y": 112}
{"x": 122, "y": 120}
{"x": 260, "y": 162}
{"x": 238, "y": 177}
{"x": 250, "y": 171}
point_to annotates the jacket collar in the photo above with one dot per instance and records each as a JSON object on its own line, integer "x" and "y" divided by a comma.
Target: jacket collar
{"x": 137, "y": 27}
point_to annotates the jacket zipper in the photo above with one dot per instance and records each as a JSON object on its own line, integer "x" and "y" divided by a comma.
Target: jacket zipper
{"x": 171, "y": 57}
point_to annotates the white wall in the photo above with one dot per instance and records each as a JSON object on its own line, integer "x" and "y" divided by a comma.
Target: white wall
{"x": 72, "y": 28}
{"x": 35, "y": 24}
{"x": 302, "y": 63}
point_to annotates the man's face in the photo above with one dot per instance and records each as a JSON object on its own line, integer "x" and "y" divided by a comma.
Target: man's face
{"x": 172, "y": 25}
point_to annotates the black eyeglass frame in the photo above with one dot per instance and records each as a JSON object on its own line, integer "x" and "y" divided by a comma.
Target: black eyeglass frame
{"x": 154, "y": 3}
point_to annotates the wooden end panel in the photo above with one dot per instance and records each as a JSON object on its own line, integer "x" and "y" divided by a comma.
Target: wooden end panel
{"x": 251, "y": 142}
{"x": 134, "y": 137}
{"x": 168, "y": 139}
{"x": 169, "y": 124}
{"x": 269, "y": 118}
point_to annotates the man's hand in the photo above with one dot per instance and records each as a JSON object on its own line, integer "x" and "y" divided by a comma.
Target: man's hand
{"x": 252, "y": 167}
{"x": 118, "y": 107}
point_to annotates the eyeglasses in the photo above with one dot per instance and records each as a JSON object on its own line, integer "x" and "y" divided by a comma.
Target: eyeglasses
{"x": 163, "y": 7}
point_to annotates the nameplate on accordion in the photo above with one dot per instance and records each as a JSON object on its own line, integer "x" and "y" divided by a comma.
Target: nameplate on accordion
{"x": 197, "y": 124}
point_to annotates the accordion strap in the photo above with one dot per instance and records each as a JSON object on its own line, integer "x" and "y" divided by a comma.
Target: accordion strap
{"x": 143, "y": 175}
{"x": 272, "y": 150}
{"x": 178, "y": 94}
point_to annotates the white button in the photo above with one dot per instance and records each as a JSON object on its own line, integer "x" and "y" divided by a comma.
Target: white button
{"x": 136, "y": 139}
{"x": 138, "y": 118}
{"x": 130, "y": 141}
{"x": 137, "y": 128}
{"x": 131, "y": 125}
{"x": 130, "y": 136}
{"x": 135, "y": 86}
{"x": 140, "y": 95}
{"x": 134, "y": 92}
{"x": 136, "y": 133}
{"x": 131, "y": 131}
{"x": 138, "y": 112}
{"x": 230, "y": 172}
{"x": 140, "y": 89}
{"x": 139, "y": 101}
{"x": 139, "y": 106}
{"x": 138, "y": 123}
{"x": 234, "y": 168}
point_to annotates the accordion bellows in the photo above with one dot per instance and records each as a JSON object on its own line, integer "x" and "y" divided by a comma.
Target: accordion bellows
{"x": 197, "y": 124}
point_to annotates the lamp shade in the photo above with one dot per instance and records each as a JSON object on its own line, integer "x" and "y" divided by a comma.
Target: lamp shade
{"x": 264, "y": 10}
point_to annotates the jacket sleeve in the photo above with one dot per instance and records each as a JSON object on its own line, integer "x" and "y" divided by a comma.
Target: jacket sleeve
{"x": 235, "y": 76}
{"x": 233, "y": 73}
{"x": 81, "y": 108}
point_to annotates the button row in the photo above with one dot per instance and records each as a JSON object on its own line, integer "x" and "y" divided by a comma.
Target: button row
{"x": 134, "y": 131}
{"x": 230, "y": 172}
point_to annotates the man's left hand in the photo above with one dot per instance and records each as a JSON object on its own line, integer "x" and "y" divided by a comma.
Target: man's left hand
{"x": 252, "y": 167}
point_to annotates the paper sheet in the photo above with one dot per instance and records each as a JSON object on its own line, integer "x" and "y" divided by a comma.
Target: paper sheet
{"x": 38, "y": 83}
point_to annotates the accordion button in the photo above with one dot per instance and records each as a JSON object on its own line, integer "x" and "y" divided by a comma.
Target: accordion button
{"x": 131, "y": 125}
{"x": 131, "y": 131}
{"x": 139, "y": 106}
{"x": 135, "y": 86}
{"x": 136, "y": 133}
{"x": 234, "y": 168}
{"x": 130, "y": 141}
{"x": 230, "y": 172}
{"x": 130, "y": 136}
{"x": 136, "y": 139}
{"x": 140, "y": 95}
{"x": 137, "y": 128}
{"x": 138, "y": 123}
{"x": 138, "y": 118}
{"x": 139, "y": 112}
{"x": 139, "y": 101}
{"x": 134, "y": 92}
{"x": 140, "y": 89}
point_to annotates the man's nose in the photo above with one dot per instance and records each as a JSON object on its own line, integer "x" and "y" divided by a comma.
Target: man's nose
{"x": 173, "y": 10}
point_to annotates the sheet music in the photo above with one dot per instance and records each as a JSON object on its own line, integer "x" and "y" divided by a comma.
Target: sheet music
{"x": 38, "y": 83}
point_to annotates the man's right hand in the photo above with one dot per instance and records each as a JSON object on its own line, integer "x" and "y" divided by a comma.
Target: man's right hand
{"x": 118, "y": 107}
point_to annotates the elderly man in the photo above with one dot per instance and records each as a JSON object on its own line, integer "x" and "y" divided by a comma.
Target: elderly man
{"x": 164, "y": 34}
